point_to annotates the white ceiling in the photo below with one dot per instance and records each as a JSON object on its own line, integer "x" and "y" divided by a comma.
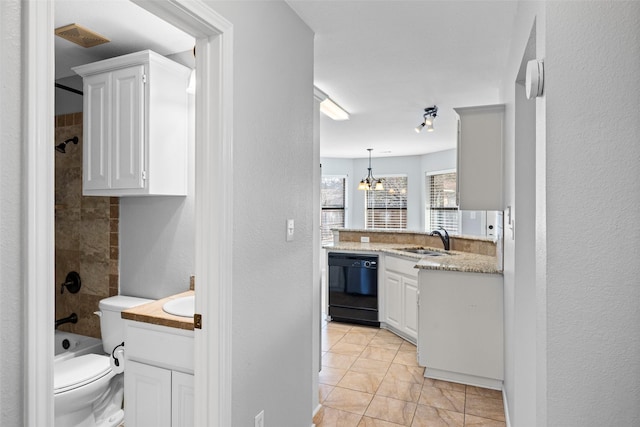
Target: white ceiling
{"x": 129, "y": 27}
{"x": 383, "y": 61}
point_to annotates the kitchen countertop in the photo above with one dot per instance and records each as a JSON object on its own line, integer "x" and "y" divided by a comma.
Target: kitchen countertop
{"x": 153, "y": 313}
{"x": 453, "y": 261}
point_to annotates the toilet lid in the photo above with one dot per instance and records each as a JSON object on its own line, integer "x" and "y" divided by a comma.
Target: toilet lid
{"x": 78, "y": 371}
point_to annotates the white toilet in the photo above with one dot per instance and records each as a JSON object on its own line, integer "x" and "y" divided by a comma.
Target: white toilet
{"x": 87, "y": 392}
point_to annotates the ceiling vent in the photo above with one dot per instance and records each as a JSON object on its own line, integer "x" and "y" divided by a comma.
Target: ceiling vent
{"x": 80, "y": 35}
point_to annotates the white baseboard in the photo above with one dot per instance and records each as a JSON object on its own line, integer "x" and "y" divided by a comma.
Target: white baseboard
{"x": 456, "y": 377}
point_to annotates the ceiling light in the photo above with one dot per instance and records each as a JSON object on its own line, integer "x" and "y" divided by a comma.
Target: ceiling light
{"x": 429, "y": 115}
{"x": 329, "y": 107}
{"x": 370, "y": 180}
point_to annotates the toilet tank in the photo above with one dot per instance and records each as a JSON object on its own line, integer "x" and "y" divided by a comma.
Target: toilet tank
{"x": 111, "y": 324}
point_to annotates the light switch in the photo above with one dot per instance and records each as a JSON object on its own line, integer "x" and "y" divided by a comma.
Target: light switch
{"x": 290, "y": 230}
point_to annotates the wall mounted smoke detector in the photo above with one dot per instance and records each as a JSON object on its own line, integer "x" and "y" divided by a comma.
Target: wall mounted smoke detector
{"x": 534, "y": 80}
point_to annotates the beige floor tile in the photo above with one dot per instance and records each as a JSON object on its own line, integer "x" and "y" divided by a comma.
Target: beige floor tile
{"x": 385, "y": 343}
{"x": 374, "y": 422}
{"x": 370, "y": 365}
{"x": 485, "y": 392}
{"x": 347, "y": 348}
{"x": 401, "y": 390}
{"x": 330, "y": 339}
{"x": 443, "y": 399}
{"x": 357, "y": 338}
{"x": 428, "y": 416}
{"x": 414, "y": 374}
{"x": 331, "y": 376}
{"x": 379, "y": 353}
{"x": 407, "y": 346}
{"x": 473, "y": 421}
{"x": 361, "y": 381}
{"x": 388, "y": 334}
{"x": 337, "y": 360}
{"x": 392, "y": 410}
{"x": 484, "y": 407}
{"x": 330, "y": 417}
{"x": 323, "y": 391}
{"x": 406, "y": 358}
{"x": 429, "y": 382}
{"x": 337, "y": 326}
{"x": 348, "y": 400}
{"x": 364, "y": 330}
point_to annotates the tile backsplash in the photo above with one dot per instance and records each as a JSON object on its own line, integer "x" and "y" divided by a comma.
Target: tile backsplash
{"x": 86, "y": 235}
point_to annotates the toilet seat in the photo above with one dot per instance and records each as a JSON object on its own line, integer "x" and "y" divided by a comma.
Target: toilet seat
{"x": 79, "y": 371}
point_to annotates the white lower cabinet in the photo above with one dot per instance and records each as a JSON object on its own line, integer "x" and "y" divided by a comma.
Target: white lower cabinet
{"x": 158, "y": 377}
{"x": 182, "y": 400}
{"x": 147, "y": 395}
{"x": 461, "y": 327}
{"x": 401, "y": 297}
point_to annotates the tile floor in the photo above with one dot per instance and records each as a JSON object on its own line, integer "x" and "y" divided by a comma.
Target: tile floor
{"x": 370, "y": 378}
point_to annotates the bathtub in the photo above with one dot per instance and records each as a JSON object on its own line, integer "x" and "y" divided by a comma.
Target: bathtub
{"x": 76, "y": 345}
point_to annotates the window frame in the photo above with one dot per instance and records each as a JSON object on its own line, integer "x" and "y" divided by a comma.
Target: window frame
{"x": 323, "y": 231}
{"x": 428, "y": 210}
{"x": 405, "y": 209}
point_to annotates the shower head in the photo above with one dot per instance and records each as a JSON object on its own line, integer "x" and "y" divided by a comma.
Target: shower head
{"x": 62, "y": 146}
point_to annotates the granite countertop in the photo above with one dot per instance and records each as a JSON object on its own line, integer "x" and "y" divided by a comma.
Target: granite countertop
{"x": 152, "y": 312}
{"x": 453, "y": 261}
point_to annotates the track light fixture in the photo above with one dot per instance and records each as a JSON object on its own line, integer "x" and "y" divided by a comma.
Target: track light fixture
{"x": 430, "y": 113}
{"x": 370, "y": 182}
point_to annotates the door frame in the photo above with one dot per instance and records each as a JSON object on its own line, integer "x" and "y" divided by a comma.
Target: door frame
{"x": 214, "y": 208}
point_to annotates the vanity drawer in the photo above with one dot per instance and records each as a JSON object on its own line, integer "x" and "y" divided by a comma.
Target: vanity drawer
{"x": 160, "y": 346}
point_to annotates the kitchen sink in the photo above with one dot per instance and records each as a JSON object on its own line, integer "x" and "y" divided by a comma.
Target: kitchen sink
{"x": 425, "y": 252}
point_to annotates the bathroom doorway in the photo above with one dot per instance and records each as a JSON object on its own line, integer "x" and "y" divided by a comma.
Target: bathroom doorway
{"x": 213, "y": 221}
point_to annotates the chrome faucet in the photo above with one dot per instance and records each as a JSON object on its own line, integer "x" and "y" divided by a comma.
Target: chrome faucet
{"x": 444, "y": 236}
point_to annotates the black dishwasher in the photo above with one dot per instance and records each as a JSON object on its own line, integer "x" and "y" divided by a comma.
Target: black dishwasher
{"x": 353, "y": 288}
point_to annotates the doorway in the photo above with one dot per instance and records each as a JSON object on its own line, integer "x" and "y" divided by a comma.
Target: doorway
{"x": 213, "y": 220}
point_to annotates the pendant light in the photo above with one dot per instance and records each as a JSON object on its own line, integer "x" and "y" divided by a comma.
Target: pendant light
{"x": 370, "y": 181}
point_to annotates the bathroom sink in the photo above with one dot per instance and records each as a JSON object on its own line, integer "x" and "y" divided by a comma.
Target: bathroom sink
{"x": 425, "y": 252}
{"x": 183, "y": 306}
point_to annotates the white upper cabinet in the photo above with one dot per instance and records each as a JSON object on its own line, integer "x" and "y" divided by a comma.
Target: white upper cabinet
{"x": 480, "y": 170}
{"x": 135, "y": 126}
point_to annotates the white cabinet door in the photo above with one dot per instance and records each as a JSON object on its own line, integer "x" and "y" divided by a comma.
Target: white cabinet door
{"x": 97, "y": 129}
{"x": 127, "y": 143}
{"x": 182, "y": 398}
{"x": 461, "y": 327}
{"x": 392, "y": 297}
{"x": 479, "y": 173}
{"x": 410, "y": 306}
{"x": 147, "y": 395}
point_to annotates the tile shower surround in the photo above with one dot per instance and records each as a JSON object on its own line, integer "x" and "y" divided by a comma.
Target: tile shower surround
{"x": 370, "y": 378}
{"x": 86, "y": 235}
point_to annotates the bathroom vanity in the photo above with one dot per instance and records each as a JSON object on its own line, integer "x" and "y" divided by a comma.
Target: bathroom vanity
{"x": 159, "y": 359}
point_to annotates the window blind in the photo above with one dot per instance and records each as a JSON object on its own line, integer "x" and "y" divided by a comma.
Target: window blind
{"x": 387, "y": 208}
{"x": 442, "y": 209}
{"x": 332, "y": 192}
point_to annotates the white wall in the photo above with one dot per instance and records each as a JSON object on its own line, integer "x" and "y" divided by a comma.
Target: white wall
{"x": 272, "y": 278}
{"x": 414, "y": 167}
{"x": 12, "y": 278}
{"x": 587, "y": 234}
{"x": 157, "y": 237}
{"x": 593, "y": 200}
{"x": 521, "y": 372}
